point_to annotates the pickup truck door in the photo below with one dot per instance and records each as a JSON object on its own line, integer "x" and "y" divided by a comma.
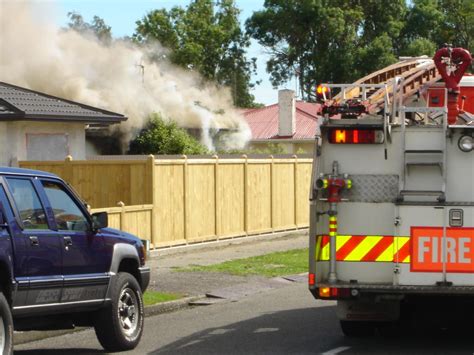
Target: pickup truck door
{"x": 85, "y": 262}
{"x": 19, "y": 249}
{"x": 41, "y": 266}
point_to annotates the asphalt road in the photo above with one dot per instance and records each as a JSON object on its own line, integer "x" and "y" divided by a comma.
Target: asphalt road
{"x": 285, "y": 320}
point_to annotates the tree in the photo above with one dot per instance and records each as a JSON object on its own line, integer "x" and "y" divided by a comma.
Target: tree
{"x": 98, "y": 27}
{"x": 205, "y": 36}
{"x": 314, "y": 39}
{"x": 160, "y": 137}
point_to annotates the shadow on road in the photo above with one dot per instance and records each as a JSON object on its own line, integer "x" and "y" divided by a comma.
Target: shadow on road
{"x": 59, "y": 352}
{"x": 294, "y": 331}
{"x": 312, "y": 331}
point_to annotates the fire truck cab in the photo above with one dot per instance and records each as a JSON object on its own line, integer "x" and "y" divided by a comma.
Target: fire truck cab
{"x": 392, "y": 197}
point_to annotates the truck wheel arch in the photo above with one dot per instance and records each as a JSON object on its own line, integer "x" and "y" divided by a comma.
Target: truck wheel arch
{"x": 125, "y": 258}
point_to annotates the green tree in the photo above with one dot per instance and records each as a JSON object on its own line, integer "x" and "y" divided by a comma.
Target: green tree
{"x": 327, "y": 40}
{"x": 160, "y": 137}
{"x": 312, "y": 39}
{"x": 204, "y": 36}
{"x": 439, "y": 21}
{"x": 97, "y": 27}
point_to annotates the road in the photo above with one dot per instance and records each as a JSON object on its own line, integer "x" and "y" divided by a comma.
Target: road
{"x": 285, "y": 320}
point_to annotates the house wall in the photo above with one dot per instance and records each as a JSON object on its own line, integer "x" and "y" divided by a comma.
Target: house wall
{"x": 26, "y": 140}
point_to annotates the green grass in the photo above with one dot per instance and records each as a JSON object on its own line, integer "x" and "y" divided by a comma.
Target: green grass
{"x": 153, "y": 297}
{"x": 270, "y": 265}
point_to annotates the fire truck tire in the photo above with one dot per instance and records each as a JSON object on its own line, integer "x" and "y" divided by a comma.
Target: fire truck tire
{"x": 358, "y": 328}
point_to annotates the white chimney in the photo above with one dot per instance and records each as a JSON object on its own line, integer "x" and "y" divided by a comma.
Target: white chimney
{"x": 286, "y": 113}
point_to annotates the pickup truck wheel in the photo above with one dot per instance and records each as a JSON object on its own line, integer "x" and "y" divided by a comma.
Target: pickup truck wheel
{"x": 357, "y": 328}
{"x": 6, "y": 327}
{"x": 119, "y": 326}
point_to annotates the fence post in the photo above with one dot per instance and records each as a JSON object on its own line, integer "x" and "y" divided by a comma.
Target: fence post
{"x": 185, "y": 197}
{"x": 68, "y": 170}
{"x": 246, "y": 191}
{"x": 295, "y": 191}
{"x": 122, "y": 215}
{"x": 272, "y": 193}
{"x": 217, "y": 230}
{"x": 154, "y": 200}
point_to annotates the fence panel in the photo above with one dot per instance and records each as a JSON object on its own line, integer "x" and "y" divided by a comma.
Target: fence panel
{"x": 169, "y": 204}
{"x": 200, "y": 220}
{"x": 230, "y": 199}
{"x": 283, "y": 196}
{"x": 259, "y": 197}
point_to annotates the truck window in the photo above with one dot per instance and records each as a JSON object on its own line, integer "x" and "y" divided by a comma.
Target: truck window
{"x": 67, "y": 213}
{"x": 28, "y": 204}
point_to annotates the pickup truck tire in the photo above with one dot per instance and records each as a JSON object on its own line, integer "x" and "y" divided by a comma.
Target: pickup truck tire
{"x": 119, "y": 326}
{"x": 6, "y": 327}
{"x": 358, "y": 329}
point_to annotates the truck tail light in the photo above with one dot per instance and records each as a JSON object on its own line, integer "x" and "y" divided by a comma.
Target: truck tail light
{"x": 334, "y": 293}
{"x": 311, "y": 279}
{"x": 355, "y": 136}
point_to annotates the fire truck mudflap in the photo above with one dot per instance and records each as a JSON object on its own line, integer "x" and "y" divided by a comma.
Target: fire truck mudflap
{"x": 392, "y": 207}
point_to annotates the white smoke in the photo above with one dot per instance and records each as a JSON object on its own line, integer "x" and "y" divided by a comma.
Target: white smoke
{"x": 35, "y": 54}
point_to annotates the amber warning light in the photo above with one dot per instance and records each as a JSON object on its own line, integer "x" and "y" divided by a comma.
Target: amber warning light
{"x": 355, "y": 136}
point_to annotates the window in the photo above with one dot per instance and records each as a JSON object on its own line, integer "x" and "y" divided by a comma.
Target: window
{"x": 67, "y": 214}
{"x": 28, "y": 204}
{"x": 41, "y": 146}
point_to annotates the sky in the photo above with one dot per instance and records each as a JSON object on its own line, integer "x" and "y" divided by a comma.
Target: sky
{"x": 121, "y": 15}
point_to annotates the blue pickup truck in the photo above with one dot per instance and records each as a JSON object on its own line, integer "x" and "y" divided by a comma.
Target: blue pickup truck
{"x": 61, "y": 267}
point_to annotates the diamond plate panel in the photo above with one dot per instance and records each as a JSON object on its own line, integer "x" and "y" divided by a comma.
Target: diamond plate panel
{"x": 371, "y": 188}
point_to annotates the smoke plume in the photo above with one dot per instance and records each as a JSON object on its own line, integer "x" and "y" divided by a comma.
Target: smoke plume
{"x": 36, "y": 54}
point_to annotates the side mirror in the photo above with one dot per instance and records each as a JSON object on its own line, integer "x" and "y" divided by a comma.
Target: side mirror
{"x": 99, "y": 220}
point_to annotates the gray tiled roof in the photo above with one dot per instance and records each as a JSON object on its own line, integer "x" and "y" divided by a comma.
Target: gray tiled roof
{"x": 18, "y": 103}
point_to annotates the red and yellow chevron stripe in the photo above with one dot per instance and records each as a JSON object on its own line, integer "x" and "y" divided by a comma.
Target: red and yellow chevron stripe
{"x": 368, "y": 248}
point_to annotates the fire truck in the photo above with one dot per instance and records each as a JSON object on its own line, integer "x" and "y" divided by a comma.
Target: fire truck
{"x": 392, "y": 195}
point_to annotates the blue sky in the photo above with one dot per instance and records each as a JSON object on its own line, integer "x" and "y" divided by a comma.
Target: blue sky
{"x": 121, "y": 15}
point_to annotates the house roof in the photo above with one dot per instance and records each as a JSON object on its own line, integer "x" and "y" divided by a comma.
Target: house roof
{"x": 17, "y": 103}
{"x": 263, "y": 121}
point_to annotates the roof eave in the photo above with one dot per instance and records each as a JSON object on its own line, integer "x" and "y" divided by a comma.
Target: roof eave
{"x": 66, "y": 119}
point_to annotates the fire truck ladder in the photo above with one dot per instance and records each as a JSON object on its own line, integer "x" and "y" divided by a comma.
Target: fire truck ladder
{"x": 412, "y": 73}
{"x": 422, "y": 155}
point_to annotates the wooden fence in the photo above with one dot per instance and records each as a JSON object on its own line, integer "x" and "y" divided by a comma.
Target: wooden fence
{"x": 180, "y": 201}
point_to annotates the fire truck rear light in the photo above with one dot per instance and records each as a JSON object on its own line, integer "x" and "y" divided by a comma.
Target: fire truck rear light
{"x": 466, "y": 144}
{"x": 355, "y": 136}
{"x": 324, "y": 292}
{"x": 311, "y": 279}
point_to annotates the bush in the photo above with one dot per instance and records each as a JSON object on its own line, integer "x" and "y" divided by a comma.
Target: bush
{"x": 160, "y": 137}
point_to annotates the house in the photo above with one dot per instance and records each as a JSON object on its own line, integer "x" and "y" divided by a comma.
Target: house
{"x": 290, "y": 123}
{"x": 37, "y": 126}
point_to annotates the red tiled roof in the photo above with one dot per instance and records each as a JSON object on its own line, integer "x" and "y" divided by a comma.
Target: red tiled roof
{"x": 263, "y": 121}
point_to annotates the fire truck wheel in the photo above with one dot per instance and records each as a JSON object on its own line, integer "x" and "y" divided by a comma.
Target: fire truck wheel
{"x": 357, "y": 328}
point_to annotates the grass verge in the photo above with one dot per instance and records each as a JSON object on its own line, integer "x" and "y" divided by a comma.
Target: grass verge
{"x": 154, "y": 297}
{"x": 270, "y": 265}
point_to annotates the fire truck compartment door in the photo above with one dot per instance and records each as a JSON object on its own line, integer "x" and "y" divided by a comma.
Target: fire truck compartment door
{"x": 435, "y": 250}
